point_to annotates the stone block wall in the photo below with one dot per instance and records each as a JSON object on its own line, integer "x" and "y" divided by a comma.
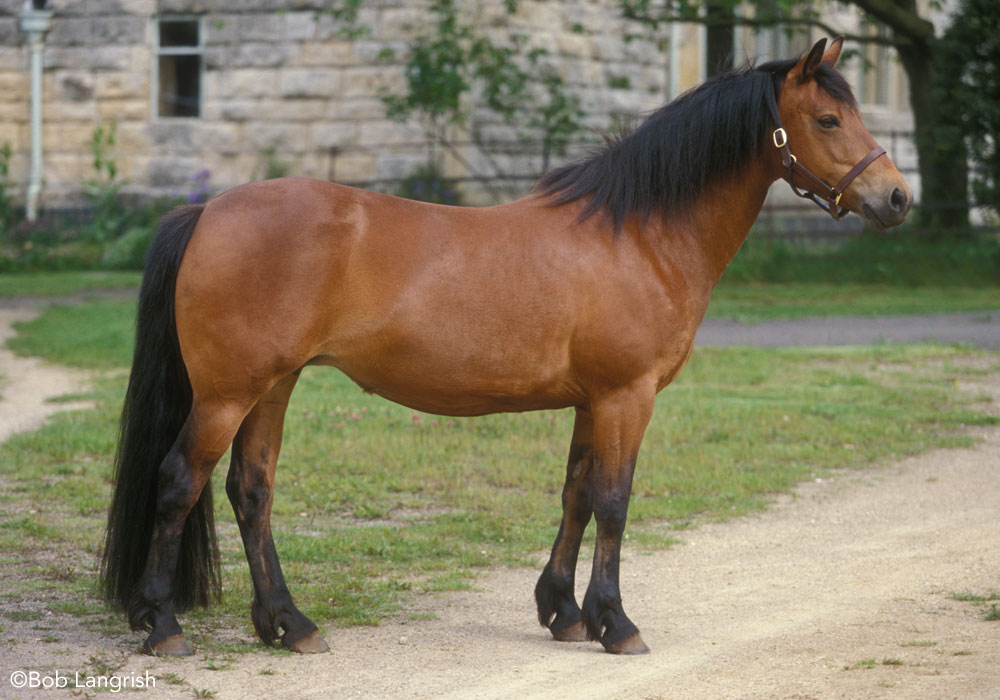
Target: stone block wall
{"x": 283, "y": 91}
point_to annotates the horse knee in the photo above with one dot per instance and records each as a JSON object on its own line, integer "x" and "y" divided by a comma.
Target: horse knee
{"x": 611, "y": 512}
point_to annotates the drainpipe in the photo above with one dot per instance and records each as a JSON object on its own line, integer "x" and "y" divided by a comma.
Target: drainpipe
{"x": 35, "y": 22}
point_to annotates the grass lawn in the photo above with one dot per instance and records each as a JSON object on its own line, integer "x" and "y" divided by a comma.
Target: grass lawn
{"x": 49, "y": 284}
{"x": 375, "y": 502}
{"x": 752, "y": 302}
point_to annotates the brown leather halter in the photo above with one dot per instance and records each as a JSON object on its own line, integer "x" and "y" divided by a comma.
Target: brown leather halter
{"x": 779, "y": 137}
{"x": 793, "y": 167}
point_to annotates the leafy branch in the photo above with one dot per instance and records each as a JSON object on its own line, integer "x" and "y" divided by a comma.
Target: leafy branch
{"x": 452, "y": 60}
{"x": 789, "y": 13}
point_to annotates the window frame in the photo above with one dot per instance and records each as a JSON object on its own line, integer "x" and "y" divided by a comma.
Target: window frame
{"x": 159, "y": 51}
{"x": 877, "y": 74}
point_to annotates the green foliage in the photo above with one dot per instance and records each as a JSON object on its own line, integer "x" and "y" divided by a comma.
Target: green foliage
{"x": 452, "y": 62}
{"x": 345, "y": 15}
{"x": 103, "y": 191}
{"x": 873, "y": 258}
{"x": 971, "y": 90}
{"x": 270, "y": 164}
{"x": 128, "y": 251}
{"x": 6, "y": 207}
{"x": 559, "y": 118}
{"x": 436, "y": 73}
{"x": 428, "y": 184}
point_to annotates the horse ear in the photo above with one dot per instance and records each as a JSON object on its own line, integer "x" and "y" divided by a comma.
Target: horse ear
{"x": 808, "y": 65}
{"x": 832, "y": 54}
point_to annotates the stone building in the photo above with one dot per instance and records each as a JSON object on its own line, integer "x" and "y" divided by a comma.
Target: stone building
{"x": 244, "y": 89}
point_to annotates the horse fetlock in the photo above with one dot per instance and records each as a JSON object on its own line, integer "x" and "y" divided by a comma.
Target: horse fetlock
{"x": 612, "y": 628}
{"x": 284, "y": 624}
{"x": 554, "y": 598}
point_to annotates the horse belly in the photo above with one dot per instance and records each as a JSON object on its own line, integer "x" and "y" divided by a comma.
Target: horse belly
{"x": 460, "y": 371}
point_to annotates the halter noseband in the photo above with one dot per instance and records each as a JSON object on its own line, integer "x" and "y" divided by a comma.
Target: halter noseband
{"x": 779, "y": 137}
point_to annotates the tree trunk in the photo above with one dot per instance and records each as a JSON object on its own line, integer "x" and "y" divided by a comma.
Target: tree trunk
{"x": 943, "y": 161}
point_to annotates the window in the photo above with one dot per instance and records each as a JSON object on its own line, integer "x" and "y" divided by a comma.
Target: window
{"x": 719, "y": 38}
{"x": 775, "y": 43}
{"x": 177, "y": 77}
{"x": 876, "y": 61}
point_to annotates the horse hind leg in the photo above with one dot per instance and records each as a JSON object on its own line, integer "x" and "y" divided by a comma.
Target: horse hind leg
{"x": 250, "y": 487}
{"x": 554, "y": 592}
{"x": 182, "y": 479}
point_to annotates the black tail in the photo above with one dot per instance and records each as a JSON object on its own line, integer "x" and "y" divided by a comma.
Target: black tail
{"x": 157, "y": 403}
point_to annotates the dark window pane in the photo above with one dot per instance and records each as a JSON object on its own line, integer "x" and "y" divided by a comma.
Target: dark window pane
{"x": 180, "y": 86}
{"x": 179, "y": 33}
{"x": 719, "y": 53}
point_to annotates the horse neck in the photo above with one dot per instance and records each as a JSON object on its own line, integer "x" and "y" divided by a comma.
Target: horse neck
{"x": 713, "y": 229}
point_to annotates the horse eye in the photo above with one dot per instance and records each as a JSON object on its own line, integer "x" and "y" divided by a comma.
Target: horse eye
{"x": 829, "y": 122}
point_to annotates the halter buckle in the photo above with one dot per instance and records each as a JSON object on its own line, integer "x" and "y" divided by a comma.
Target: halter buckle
{"x": 779, "y": 133}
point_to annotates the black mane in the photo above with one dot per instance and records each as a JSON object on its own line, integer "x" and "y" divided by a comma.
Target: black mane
{"x": 709, "y": 132}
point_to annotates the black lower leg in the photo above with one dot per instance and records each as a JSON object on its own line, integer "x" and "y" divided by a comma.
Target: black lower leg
{"x": 604, "y": 616}
{"x": 554, "y": 592}
{"x": 152, "y": 604}
{"x": 274, "y": 615}
{"x": 250, "y": 488}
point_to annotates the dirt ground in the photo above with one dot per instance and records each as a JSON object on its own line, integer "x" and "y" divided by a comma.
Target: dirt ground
{"x": 843, "y": 590}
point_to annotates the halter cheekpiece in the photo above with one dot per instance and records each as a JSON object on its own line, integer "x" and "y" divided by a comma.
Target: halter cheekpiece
{"x": 831, "y": 205}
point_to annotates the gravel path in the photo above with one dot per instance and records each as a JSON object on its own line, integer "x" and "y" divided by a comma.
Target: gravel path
{"x": 980, "y": 329}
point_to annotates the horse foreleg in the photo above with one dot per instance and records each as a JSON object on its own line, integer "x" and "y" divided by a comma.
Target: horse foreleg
{"x": 554, "y": 592}
{"x": 619, "y": 423}
{"x": 250, "y": 487}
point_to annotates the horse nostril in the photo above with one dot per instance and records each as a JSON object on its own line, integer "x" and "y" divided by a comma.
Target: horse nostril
{"x": 897, "y": 200}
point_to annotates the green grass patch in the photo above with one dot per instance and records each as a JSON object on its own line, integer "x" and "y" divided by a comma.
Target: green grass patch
{"x": 50, "y": 284}
{"x": 24, "y": 615}
{"x": 896, "y": 257}
{"x": 991, "y": 610}
{"x": 95, "y": 335}
{"x": 977, "y": 598}
{"x": 376, "y": 503}
{"x": 751, "y": 302}
{"x": 870, "y": 274}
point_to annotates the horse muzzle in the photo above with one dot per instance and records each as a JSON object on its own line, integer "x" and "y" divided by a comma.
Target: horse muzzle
{"x": 886, "y": 208}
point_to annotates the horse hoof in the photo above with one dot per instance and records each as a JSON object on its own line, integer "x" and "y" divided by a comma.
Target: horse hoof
{"x": 576, "y": 632}
{"x": 630, "y": 645}
{"x": 174, "y": 645}
{"x": 312, "y": 643}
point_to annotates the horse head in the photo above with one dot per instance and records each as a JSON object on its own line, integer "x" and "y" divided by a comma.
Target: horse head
{"x": 821, "y": 140}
